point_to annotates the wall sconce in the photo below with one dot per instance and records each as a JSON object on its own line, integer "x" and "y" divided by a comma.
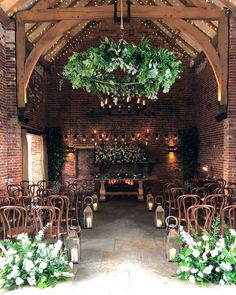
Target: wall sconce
{"x": 75, "y": 138}
{"x": 157, "y": 136}
{"x": 107, "y": 137}
{"x": 172, "y": 148}
{"x": 93, "y": 137}
{"x": 84, "y": 138}
{"x": 133, "y": 137}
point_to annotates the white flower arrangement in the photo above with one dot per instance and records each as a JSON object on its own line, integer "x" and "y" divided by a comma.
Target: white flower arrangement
{"x": 32, "y": 262}
{"x": 208, "y": 257}
{"x": 120, "y": 153}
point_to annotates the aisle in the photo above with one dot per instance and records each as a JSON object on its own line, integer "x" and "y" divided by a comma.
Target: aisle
{"x": 124, "y": 254}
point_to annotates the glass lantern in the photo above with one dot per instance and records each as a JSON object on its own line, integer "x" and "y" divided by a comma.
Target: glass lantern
{"x": 88, "y": 217}
{"x": 159, "y": 217}
{"x": 95, "y": 202}
{"x": 150, "y": 202}
{"x": 172, "y": 246}
{"x": 74, "y": 246}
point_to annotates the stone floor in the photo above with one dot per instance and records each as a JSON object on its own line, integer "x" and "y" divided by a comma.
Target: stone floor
{"x": 124, "y": 254}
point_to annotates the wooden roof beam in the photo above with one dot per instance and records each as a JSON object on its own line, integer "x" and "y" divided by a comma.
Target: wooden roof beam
{"x": 4, "y": 19}
{"x": 106, "y": 12}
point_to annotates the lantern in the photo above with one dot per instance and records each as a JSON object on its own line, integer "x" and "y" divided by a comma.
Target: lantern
{"x": 95, "y": 202}
{"x": 150, "y": 202}
{"x": 88, "y": 217}
{"x": 73, "y": 245}
{"x": 159, "y": 218}
{"x": 172, "y": 246}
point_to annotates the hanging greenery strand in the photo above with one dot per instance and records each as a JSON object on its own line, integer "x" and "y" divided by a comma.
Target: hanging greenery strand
{"x": 123, "y": 69}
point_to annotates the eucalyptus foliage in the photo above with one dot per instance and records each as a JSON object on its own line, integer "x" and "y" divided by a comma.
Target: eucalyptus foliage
{"x": 123, "y": 69}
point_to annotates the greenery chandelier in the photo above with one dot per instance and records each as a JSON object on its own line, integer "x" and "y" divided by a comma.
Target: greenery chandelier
{"x": 123, "y": 69}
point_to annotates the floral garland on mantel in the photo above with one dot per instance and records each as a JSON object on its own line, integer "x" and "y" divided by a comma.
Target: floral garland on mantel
{"x": 123, "y": 69}
{"x": 120, "y": 153}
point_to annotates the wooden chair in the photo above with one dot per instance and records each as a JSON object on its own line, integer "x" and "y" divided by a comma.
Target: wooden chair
{"x": 173, "y": 194}
{"x": 42, "y": 184}
{"x": 15, "y": 221}
{"x": 200, "y": 217}
{"x": 63, "y": 203}
{"x": 49, "y": 217}
{"x": 228, "y": 216}
{"x": 33, "y": 189}
{"x": 218, "y": 201}
{"x": 183, "y": 203}
{"x": 24, "y": 184}
{"x": 11, "y": 188}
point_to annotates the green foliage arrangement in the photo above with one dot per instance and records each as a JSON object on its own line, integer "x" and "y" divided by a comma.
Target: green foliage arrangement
{"x": 189, "y": 150}
{"x": 120, "y": 153}
{"x": 55, "y": 152}
{"x": 32, "y": 262}
{"x": 147, "y": 69}
{"x": 208, "y": 257}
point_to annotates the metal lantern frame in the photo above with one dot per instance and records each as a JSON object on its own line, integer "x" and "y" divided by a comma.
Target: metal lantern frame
{"x": 150, "y": 202}
{"x": 172, "y": 247}
{"x": 88, "y": 212}
{"x": 95, "y": 202}
{"x": 159, "y": 216}
{"x": 73, "y": 245}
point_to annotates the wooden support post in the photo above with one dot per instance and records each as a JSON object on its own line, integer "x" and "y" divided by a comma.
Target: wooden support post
{"x": 20, "y": 63}
{"x": 223, "y": 50}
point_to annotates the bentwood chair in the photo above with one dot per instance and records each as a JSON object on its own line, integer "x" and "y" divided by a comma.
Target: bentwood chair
{"x": 228, "y": 216}
{"x": 173, "y": 194}
{"x": 15, "y": 221}
{"x": 49, "y": 219}
{"x": 218, "y": 201}
{"x": 200, "y": 217}
{"x": 11, "y": 188}
{"x": 63, "y": 203}
{"x": 183, "y": 203}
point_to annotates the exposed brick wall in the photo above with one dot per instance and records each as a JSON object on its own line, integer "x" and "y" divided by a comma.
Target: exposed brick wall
{"x": 211, "y": 132}
{"x": 230, "y": 123}
{"x": 10, "y": 148}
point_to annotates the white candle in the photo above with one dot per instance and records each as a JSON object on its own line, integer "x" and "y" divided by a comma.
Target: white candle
{"x": 172, "y": 253}
{"x": 150, "y": 205}
{"x": 89, "y": 221}
{"x": 95, "y": 206}
{"x": 74, "y": 255}
{"x": 159, "y": 223}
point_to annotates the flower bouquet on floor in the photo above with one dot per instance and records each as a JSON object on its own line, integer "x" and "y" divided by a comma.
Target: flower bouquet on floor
{"x": 208, "y": 257}
{"x": 32, "y": 262}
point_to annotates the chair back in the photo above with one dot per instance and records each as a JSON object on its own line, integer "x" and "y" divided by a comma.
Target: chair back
{"x": 14, "y": 220}
{"x": 48, "y": 217}
{"x": 200, "y": 217}
{"x": 218, "y": 201}
{"x": 228, "y": 216}
{"x": 184, "y": 202}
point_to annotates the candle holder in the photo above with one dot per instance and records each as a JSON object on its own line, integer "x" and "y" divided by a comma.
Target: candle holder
{"x": 88, "y": 217}
{"x": 150, "y": 202}
{"x": 172, "y": 246}
{"x": 95, "y": 202}
{"x": 159, "y": 218}
{"x": 74, "y": 245}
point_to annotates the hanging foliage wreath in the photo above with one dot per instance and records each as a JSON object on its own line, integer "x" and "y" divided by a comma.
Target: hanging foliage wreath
{"x": 123, "y": 69}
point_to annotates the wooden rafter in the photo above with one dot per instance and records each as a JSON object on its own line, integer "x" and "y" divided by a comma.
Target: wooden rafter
{"x": 4, "y": 18}
{"x": 18, "y": 4}
{"x": 106, "y": 12}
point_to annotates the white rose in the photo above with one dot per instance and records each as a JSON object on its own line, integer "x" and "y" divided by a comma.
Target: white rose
{"x": 214, "y": 253}
{"x": 205, "y": 238}
{"x": 232, "y": 231}
{"x": 19, "y": 281}
{"x": 208, "y": 270}
{"x": 29, "y": 254}
{"x": 222, "y": 282}
{"x": 28, "y": 264}
{"x": 200, "y": 274}
{"x": 41, "y": 246}
{"x": 43, "y": 265}
{"x": 195, "y": 253}
{"x": 191, "y": 279}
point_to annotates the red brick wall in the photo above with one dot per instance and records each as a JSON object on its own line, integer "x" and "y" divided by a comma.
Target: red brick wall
{"x": 10, "y": 148}
{"x": 211, "y": 132}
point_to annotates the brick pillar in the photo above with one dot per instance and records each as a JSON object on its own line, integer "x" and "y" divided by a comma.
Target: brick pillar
{"x": 230, "y": 122}
{"x": 13, "y": 126}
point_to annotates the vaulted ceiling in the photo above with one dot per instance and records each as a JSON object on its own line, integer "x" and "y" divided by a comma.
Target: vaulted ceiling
{"x": 175, "y": 39}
